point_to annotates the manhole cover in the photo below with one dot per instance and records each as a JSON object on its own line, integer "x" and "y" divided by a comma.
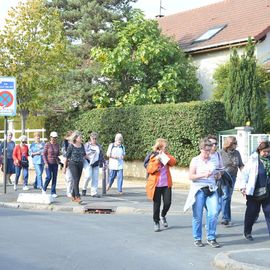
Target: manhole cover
{"x": 98, "y": 211}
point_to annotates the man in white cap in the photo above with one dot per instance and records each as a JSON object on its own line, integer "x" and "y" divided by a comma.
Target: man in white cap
{"x": 51, "y": 159}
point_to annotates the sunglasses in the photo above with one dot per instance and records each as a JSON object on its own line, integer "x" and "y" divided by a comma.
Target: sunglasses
{"x": 24, "y": 142}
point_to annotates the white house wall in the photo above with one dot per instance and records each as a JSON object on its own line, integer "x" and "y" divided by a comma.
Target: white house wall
{"x": 208, "y": 62}
{"x": 263, "y": 50}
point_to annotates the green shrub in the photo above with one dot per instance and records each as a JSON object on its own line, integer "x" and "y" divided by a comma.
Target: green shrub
{"x": 183, "y": 125}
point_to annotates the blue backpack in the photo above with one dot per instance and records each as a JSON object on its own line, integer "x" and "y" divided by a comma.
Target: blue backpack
{"x": 147, "y": 159}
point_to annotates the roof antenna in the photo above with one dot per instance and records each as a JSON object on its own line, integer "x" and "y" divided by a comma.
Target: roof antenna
{"x": 160, "y": 10}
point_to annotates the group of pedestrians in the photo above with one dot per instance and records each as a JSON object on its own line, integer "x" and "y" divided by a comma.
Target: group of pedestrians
{"x": 77, "y": 157}
{"x": 213, "y": 175}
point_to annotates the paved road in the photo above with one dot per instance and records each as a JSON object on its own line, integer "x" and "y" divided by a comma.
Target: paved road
{"x": 55, "y": 240}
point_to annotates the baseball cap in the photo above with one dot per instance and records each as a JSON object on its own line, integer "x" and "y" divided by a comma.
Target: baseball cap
{"x": 53, "y": 134}
{"x": 23, "y": 138}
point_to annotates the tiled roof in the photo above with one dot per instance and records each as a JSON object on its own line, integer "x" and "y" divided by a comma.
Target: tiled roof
{"x": 243, "y": 19}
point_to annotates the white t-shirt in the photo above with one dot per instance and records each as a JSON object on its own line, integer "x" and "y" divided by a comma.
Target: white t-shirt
{"x": 203, "y": 166}
{"x": 116, "y": 151}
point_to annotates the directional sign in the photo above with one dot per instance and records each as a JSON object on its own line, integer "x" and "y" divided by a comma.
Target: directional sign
{"x": 7, "y": 96}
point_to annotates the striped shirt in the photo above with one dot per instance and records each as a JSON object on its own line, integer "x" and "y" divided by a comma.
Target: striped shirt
{"x": 51, "y": 153}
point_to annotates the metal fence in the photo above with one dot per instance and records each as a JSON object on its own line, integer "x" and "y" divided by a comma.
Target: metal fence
{"x": 28, "y": 132}
{"x": 252, "y": 143}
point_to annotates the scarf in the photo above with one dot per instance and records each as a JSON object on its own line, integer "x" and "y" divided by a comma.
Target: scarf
{"x": 266, "y": 164}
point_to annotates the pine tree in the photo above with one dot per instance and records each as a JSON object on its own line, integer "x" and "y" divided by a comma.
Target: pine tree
{"x": 243, "y": 98}
{"x": 87, "y": 24}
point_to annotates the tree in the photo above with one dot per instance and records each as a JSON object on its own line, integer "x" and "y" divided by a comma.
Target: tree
{"x": 144, "y": 67}
{"x": 33, "y": 48}
{"x": 242, "y": 85}
{"x": 88, "y": 23}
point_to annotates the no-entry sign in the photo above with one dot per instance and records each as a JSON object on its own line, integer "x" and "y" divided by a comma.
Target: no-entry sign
{"x": 7, "y": 96}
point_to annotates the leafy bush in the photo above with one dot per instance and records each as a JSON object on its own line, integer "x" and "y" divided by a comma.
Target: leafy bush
{"x": 182, "y": 124}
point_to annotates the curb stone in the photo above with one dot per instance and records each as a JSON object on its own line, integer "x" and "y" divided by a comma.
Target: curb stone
{"x": 224, "y": 261}
{"x": 80, "y": 209}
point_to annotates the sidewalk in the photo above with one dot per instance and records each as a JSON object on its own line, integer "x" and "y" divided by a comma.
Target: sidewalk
{"x": 134, "y": 201}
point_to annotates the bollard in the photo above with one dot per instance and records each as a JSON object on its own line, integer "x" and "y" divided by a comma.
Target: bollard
{"x": 104, "y": 177}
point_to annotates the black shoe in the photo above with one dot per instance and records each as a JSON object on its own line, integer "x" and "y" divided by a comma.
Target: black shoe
{"x": 84, "y": 192}
{"x": 198, "y": 243}
{"x": 225, "y": 222}
{"x": 213, "y": 243}
{"x": 248, "y": 236}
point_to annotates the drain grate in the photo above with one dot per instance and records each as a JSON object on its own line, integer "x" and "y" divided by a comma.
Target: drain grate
{"x": 98, "y": 211}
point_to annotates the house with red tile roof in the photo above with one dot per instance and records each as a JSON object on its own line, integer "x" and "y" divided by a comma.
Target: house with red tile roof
{"x": 208, "y": 33}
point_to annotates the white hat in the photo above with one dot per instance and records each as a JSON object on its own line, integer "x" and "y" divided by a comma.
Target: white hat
{"x": 23, "y": 138}
{"x": 53, "y": 134}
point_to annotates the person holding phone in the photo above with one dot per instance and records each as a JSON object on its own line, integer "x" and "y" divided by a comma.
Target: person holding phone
{"x": 203, "y": 194}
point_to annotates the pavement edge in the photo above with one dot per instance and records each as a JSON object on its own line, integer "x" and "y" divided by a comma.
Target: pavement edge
{"x": 224, "y": 261}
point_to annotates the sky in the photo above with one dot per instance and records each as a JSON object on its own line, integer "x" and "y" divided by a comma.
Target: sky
{"x": 151, "y": 8}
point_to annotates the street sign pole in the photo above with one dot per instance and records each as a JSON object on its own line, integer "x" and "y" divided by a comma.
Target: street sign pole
{"x": 5, "y": 158}
{"x": 7, "y": 108}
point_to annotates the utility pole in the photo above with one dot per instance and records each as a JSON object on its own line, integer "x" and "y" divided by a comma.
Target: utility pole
{"x": 160, "y": 15}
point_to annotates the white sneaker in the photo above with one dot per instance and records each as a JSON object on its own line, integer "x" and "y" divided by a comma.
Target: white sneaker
{"x": 69, "y": 195}
{"x": 25, "y": 188}
{"x": 15, "y": 187}
{"x": 43, "y": 192}
{"x": 54, "y": 195}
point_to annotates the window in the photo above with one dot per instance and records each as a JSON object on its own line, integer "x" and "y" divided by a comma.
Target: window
{"x": 210, "y": 33}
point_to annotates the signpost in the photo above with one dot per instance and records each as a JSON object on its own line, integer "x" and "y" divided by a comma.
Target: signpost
{"x": 7, "y": 108}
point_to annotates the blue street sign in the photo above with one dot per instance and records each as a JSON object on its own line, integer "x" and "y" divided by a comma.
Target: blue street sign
{"x": 7, "y": 96}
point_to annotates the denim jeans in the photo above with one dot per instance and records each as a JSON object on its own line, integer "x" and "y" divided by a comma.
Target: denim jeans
{"x": 39, "y": 171}
{"x": 51, "y": 174}
{"x": 119, "y": 174}
{"x": 18, "y": 173}
{"x": 226, "y": 200}
{"x": 91, "y": 173}
{"x": 211, "y": 205}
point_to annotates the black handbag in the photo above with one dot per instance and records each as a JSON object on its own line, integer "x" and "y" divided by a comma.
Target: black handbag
{"x": 261, "y": 193}
{"x": 24, "y": 162}
{"x": 95, "y": 164}
{"x": 207, "y": 192}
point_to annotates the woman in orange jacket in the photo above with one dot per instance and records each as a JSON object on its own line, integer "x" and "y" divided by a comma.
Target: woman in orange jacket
{"x": 159, "y": 181}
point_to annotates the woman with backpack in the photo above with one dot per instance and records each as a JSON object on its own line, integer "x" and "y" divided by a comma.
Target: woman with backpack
{"x": 20, "y": 157}
{"x": 159, "y": 181}
{"x": 115, "y": 153}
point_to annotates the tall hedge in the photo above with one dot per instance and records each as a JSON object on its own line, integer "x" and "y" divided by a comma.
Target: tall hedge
{"x": 183, "y": 125}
